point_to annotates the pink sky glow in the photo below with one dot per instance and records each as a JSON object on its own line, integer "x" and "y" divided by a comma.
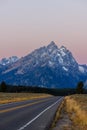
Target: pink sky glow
{"x": 27, "y": 25}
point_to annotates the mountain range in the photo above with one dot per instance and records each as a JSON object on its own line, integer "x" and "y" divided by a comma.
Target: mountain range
{"x": 48, "y": 66}
{"x": 7, "y": 61}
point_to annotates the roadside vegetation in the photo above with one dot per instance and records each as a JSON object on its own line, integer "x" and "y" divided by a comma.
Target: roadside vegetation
{"x": 76, "y": 107}
{"x": 15, "y": 97}
{"x": 72, "y": 114}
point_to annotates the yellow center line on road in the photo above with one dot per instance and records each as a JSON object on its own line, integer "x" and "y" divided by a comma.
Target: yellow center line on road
{"x": 22, "y": 106}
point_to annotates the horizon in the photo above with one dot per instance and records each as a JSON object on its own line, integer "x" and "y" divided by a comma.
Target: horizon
{"x": 28, "y": 25}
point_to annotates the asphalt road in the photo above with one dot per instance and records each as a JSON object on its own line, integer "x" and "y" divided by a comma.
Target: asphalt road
{"x": 29, "y": 115}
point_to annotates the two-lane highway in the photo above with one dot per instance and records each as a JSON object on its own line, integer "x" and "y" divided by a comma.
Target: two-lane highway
{"x": 29, "y": 115}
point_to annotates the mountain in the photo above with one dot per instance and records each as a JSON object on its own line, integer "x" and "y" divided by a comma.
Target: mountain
{"x": 7, "y": 61}
{"x": 48, "y": 66}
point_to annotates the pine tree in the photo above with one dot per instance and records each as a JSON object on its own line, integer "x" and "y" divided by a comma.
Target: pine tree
{"x": 80, "y": 87}
{"x": 3, "y": 87}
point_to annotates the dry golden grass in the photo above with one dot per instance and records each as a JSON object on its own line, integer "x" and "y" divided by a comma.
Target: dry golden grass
{"x": 76, "y": 106}
{"x": 72, "y": 114}
{"x": 15, "y": 97}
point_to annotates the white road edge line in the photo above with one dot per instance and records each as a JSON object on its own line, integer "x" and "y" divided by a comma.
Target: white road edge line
{"x": 27, "y": 124}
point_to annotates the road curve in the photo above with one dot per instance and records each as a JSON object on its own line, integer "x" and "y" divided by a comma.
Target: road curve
{"x": 29, "y": 115}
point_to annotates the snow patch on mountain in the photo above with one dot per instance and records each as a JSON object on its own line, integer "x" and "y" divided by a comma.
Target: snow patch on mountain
{"x": 51, "y": 64}
{"x": 81, "y": 69}
{"x": 60, "y": 60}
{"x": 65, "y": 68}
{"x": 62, "y": 51}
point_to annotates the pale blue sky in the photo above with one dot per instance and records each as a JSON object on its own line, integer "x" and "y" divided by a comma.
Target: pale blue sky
{"x": 29, "y": 24}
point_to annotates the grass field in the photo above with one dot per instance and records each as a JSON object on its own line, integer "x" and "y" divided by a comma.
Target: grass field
{"x": 76, "y": 106}
{"x": 72, "y": 114}
{"x": 15, "y": 97}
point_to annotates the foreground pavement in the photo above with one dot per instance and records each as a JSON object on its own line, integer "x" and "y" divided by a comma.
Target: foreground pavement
{"x": 29, "y": 115}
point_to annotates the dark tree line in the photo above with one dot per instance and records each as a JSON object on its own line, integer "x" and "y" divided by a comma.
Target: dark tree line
{"x": 57, "y": 92}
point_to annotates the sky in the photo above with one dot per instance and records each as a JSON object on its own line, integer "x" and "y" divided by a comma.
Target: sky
{"x": 29, "y": 24}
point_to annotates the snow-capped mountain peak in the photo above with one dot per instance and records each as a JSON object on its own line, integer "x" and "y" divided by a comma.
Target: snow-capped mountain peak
{"x": 52, "y": 43}
{"x": 47, "y": 66}
{"x": 52, "y": 46}
{"x": 7, "y": 61}
{"x": 63, "y": 48}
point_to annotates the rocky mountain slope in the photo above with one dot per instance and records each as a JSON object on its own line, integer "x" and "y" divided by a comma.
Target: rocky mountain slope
{"x": 10, "y": 60}
{"x": 48, "y": 66}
